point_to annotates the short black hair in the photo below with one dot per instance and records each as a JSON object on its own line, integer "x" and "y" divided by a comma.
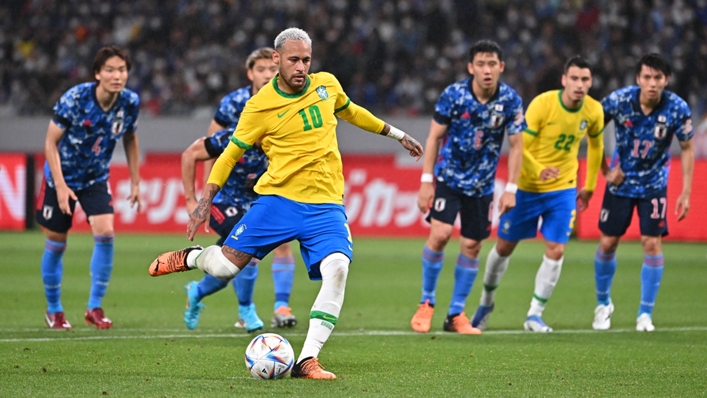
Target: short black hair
{"x": 577, "y": 61}
{"x": 654, "y": 61}
{"x": 485, "y": 46}
{"x": 108, "y": 52}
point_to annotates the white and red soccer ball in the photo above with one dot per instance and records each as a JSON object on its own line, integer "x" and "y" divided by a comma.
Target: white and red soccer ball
{"x": 269, "y": 356}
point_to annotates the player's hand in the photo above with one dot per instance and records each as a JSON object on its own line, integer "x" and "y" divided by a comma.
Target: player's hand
{"x": 425, "y": 197}
{"x": 191, "y": 204}
{"x": 683, "y": 206}
{"x": 413, "y": 146}
{"x": 583, "y": 198}
{"x": 549, "y": 173}
{"x": 134, "y": 197}
{"x": 63, "y": 194}
{"x": 615, "y": 176}
{"x": 199, "y": 216}
{"x": 506, "y": 203}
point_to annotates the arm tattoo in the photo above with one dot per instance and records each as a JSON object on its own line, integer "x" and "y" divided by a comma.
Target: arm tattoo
{"x": 204, "y": 206}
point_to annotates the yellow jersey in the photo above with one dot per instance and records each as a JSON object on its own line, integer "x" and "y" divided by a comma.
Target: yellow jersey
{"x": 553, "y": 137}
{"x": 298, "y": 134}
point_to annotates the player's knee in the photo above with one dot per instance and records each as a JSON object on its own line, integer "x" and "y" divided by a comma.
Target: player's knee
{"x": 504, "y": 248}
{"x": 555, "y": 251}
{"x": 608, "y": 244}
{"x": 216, "y": 264}
{"x": 470, "y": 248}
{"x": 439, "y": 237}
{"x": 284, "y": 250}
{"x": 651, "y": 245}
{"x": 335, "y": 268}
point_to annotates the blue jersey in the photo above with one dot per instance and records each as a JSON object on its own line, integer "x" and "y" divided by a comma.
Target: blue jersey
{"x": 238, "y": 189}
{"x": 468, "y": 159}
{"x": 90, "y": 133}
{"x": 643, "y": 141}
{"x": 231, "y": 106}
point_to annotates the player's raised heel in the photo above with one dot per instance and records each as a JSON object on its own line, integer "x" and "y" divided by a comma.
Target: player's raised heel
{"x": 459, "y": 324}
{"x": 283, "y": 318}
{"x": 481, "y": 316}
{"x": 194, "y": 305}
{"x": 56, "y": 321}
{"x": 644, "y": 323}
{"x": 310, "y": 368}
{"x": 422, "y": 320}
{"x": 248, "y": 318}
{"x": 534, "y": 323}
{"x": 602, "y": 317}
{"x": 167, "y": 263}
{"x": 97, "y": 318}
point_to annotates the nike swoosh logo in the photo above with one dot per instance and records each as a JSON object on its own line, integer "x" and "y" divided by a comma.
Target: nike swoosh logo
{"x": 329, "y": 318}
{"x": 280, "y": 115}
{"x": 49, "y": 322}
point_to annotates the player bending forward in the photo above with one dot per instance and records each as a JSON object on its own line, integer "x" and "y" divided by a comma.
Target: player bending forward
{"x": 301, "y": 192}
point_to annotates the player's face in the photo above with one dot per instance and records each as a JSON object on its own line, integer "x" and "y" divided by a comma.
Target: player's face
{"x": 113, "y": 75}
{"x": 486, "y": 68}
{"x": 577, "y": 82}
{"x": 652, "y": 82}
{"x": 293, "y": 61}
{"x": 263, "y": 70}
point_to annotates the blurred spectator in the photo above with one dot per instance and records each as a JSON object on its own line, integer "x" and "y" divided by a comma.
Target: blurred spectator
{"x": 392, "y": 56}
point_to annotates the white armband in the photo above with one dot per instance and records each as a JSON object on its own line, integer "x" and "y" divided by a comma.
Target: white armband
{"x": 427, "y": 177}
{"x": 395, "y": 133}
{"x": 511, "y": 188}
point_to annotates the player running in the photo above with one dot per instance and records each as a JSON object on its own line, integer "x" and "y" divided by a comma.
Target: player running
{"x": 301, "y": 194}
{"x": 646, "y": 118}
{"x": 232, "y": 202}
{"x": 88, "y": 121}
{"x": 471, "y": 118}
{"x": 557, "y": 122}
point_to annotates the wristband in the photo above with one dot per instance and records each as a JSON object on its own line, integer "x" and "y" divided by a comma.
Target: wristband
{"x": 395, "y": 133}
{"x": 427, "y": 177}
{"x": 511, "y": 188}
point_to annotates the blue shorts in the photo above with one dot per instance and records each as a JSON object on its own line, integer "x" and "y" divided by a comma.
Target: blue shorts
{"x": 558, "y": 210}
{"x": 321, "y": 230}
{"x": 617, "y": 212}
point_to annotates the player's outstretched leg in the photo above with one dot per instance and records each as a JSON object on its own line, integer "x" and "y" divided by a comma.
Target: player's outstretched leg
{"x": 283, "y": 273}
{"x": 464, "y": 276}
{"x": 210, "y": 260}
{"x": 432, "y": 262}
{"x": 101, "y": 269}
{"x": 325, "y": 313}
{"x": 604, "y": 270}
{"x": 545, "y": 282}
{"x": 496, "y": 266}
{"x": 651, "y": 275}
{"x": 196, "y": 291}
{"x": 243, "y": 285}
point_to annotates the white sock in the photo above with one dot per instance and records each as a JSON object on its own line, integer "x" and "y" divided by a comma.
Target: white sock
{"x": 212, "y": 261}
{"x": 496, "y": 266}
{"x": 327, "y": 306}
{"x": 545, "y": 282}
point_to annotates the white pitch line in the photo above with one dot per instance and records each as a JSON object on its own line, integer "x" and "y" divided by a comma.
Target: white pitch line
{"x": 197, "y": 335}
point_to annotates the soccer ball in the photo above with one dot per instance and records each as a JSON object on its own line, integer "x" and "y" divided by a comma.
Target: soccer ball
{"x": 269, "y": 356}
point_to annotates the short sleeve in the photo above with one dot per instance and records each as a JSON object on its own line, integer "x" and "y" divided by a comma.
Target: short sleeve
{"x": 684, "y": 121}
{"x": 516, "y": 122}
{"x": 445, "y": 106}
{"x": 534, "y": 116}
{"x": 134, "y": 113}
{"x": 609, "y": 105}
{"x": 225, "y": 113}
{"x": 64, "y": 115}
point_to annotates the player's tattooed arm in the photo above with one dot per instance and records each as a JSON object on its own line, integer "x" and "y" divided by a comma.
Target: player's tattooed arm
{"x": 409, "y": 143}
{"x": 202, "y": 212}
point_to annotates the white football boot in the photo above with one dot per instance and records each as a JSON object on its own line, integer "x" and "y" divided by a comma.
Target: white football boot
{"x": 602, "y": 316}
{"x": 644, "y": 323}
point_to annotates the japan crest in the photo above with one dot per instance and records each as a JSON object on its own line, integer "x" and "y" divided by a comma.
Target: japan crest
{"x": 496, "y": 119}
{"x": 118, "y": 123}
{"x": 660, "y": 130}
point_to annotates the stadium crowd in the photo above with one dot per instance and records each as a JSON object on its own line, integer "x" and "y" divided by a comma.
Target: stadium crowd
{"x": 391, "y": 56}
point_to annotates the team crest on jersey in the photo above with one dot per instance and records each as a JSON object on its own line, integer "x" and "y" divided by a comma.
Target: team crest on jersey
{"x": 583, "y": 125}
{"x": 440, "y": 204}
{"x": 118, "y": 123}
{"x": 239, "y": 231}
{"x": 496, "y": 119}
{"x": 660, "y": 130}
{"x": 231, "y": 211}
{"x": 321, "y": 91}
{"x": 498, "y": 107}
{"x": 47, "y": 212}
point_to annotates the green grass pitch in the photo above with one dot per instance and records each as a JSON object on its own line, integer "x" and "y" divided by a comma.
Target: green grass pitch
{"x": 149, "y": 352}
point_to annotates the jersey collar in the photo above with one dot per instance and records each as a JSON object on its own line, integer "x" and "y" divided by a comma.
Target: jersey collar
{"x": 562, "y": 104}
{"x": 636, "y": 102}
{"x": 287, "y": 95}
{"x": 493, "y": 97}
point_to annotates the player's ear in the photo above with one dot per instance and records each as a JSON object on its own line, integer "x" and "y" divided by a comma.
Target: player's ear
{"x": 249, "y": 73}
{"x": 502, "y": 65}
{"x": 275, "y": 57}
{"x": 470, "y": 68}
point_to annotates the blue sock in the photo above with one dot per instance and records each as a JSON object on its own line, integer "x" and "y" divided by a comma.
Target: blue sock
{"x": 651, "y": 274}
{"x": 209, "y": 285}
{"x": 283, "y": 273}
{"x": 604, "y": 270}
{"x": 431, "y": 266}
{"x": 51, "y": 274}
{"x": 244, "y": 283}
{"x": 101, "y": 268}
{"x": 464, "y": 276}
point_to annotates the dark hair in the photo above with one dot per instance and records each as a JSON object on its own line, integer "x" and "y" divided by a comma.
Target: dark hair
{"x": 107, "y": 52}
{"x": 654, "y": 61}
{"x": 485, "y": 46}
{"x": 577, "y": 61}
{"x": 261, "y": 53}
